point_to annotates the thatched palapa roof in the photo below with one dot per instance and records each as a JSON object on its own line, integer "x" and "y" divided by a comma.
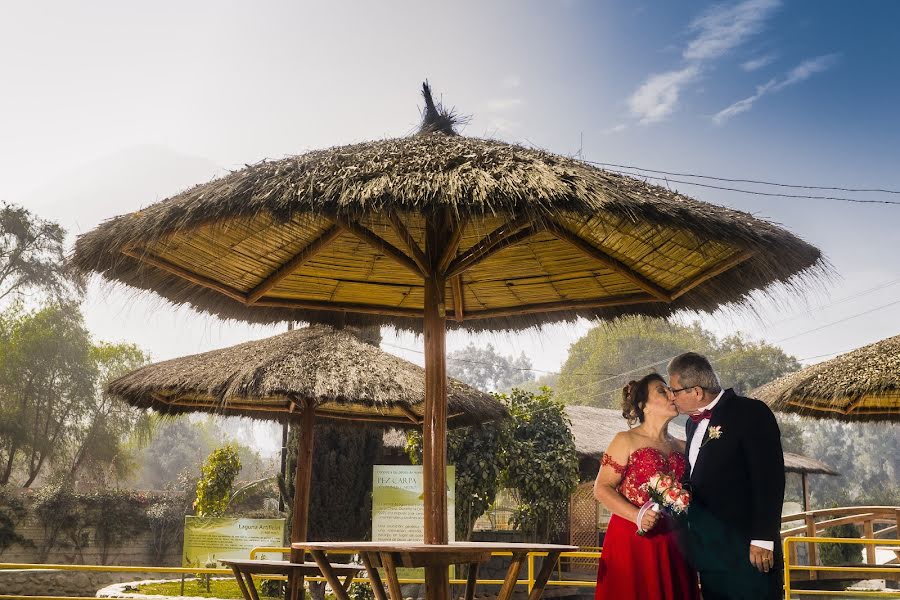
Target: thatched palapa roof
{"x": 862, "y": 385}
{"x": 345, "y": 377}
{"x": 338, "y": 236}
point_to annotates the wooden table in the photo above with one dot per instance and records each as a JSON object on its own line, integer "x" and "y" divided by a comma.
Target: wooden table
{"x": 296, "y": 573}
{"x": 390, "y": 555}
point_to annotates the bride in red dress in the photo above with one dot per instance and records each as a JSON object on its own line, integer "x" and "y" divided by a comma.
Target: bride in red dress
{"x": 653, "y": 566}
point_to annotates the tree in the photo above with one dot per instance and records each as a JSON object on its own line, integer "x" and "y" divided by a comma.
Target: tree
{"x": 216, "y": 481}
{"x": 540, "y": 460}
{"x": 602, "y": 362}
{"x": 47, "y": 382}
{"x": 177, "y": 446}
{"x": 31, "y": 255}
{"x": 488, "y": 370}
{"x": 533, "y": 453}
{"x": 477, "y": 454}
{"x": 99, "y": 441}
{"x": 610, "y": 355}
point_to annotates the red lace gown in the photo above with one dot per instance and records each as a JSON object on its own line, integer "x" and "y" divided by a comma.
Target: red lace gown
{"x": 649, "y": 567}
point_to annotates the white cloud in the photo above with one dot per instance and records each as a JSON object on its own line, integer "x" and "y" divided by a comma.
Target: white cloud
{"x": 755, "y": 64}
{"x": 502, "y": 104}
{"x": 658, "y": 95}
{"x": 800, "y": 73}
{"x": 616, "y": 129}
{"x": 715, "y": 33}
{"x": 808, "y": 68}
{"x": 723, "y": 28}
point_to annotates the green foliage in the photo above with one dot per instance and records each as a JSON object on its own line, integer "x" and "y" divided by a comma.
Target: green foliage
{"x": 216, "y": 481}
{"x": 62, "y": 518}
{"x": 32, "y": 256}
{"x": 47, "y": 382}
{"x": 115, "y": 516}
{"x": 476, "y": 452}
{"x": 610, "y": 355}
{"x": 12, "y": 512}
{"x": 176, "y": 446}
{"x": 867, "y": 455}
{"x": 341, "y": 480}
{"x": 225, "y": 587}
{"x": 488, "y": 370}
{"x": 165, "y": 520}
{"x": 540, "y": 461}
{"x": 631, "y": 345}
{"x": 360, "y": 591}
{"x": 841, "y": 554}
{"x": 533, "y": 453}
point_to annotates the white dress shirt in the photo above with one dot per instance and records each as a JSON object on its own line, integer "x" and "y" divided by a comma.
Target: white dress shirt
{"x": 694, "y": 453}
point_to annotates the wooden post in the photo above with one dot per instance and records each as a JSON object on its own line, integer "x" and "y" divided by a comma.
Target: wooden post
{"x": 302, "y": 479}
{"x": 805, "y": 492}
{"x": 869, "y": 534}
{"x": 812, "y": 548}
{"x": 434, "y": 434}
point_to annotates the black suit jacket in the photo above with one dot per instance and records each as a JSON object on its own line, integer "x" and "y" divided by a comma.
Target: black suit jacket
{"x": 738, "y": 481}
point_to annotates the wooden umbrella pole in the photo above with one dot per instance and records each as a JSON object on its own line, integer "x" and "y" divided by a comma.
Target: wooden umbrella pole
{"x": 302, "y": 479}
{"x": 434, "y": 451}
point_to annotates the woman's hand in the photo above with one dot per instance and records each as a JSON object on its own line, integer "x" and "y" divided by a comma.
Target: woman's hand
{"x": 649, "y": 520}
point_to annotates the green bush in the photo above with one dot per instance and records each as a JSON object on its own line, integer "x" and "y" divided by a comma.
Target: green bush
{"x": 841, "y": 554}
{"x": 12, "y": 512}
{"x": 216, "y": 481}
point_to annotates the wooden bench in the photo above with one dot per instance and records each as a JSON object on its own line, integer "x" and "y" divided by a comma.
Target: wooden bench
{"x": 296, "y": 572}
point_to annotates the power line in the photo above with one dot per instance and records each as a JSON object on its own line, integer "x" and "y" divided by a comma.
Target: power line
{"x": 753, "y": 181}
{"x": 754, "y": 192}
{"x": 666, "y": 360}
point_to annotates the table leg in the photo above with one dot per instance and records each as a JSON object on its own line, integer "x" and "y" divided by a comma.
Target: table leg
{"x": 251, "y": 587}
{"x": 374, "y": 577}
{"x": 512, "y": 575}
{"x": 540, "y": 581}
{"x": 472, "y": 581}
{"x": 240, "y": 582}
{"x": 297, "y": 586}
{"x": 329, "y": 574}
{"x": 390, "y": 571}
{"x": 348, "y": 580}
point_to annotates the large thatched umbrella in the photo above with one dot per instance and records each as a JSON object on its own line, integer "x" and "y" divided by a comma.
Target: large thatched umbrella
{"x": 411, "y": 231}
{"x": 302, "y": 375}
{"x": 862, "y": 385}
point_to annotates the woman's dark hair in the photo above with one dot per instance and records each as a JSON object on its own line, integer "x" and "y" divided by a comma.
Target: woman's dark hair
{"x": 635, "y": 395}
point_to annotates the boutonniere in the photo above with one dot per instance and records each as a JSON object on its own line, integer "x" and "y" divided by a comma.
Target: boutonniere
{"x": 713, "y": 433}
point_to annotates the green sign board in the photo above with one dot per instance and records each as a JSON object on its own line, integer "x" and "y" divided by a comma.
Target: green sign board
{"x": 210, "y": 539}
{"x": 398, "y": 507}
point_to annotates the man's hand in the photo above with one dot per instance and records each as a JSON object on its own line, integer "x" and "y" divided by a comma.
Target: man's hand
{"x": 762, "y": 559}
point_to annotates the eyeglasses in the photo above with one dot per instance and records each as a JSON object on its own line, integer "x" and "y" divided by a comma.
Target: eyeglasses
{"x": 675, "y": 392}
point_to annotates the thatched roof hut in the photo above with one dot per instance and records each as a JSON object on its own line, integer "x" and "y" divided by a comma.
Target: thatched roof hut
{"x": 338, "y": 236}
{"x": 862, "y": 385}
{"x": 346, "y": 378}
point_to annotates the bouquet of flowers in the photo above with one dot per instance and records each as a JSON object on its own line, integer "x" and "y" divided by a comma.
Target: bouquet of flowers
{"x": 667, "y": 494}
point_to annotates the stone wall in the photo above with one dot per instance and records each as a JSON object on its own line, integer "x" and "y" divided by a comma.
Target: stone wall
{"x": 136, "y": 552}
{"x": 51, "y": 582}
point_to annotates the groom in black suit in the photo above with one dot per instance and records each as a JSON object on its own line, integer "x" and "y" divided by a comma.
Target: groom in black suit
{"x": 736, "y": 477}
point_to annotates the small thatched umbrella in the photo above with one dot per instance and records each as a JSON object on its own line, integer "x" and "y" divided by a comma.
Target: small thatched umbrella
{"x": 302, "y": 375}
{"x": 862, "y": 385}
{"x": 408, "y": 232}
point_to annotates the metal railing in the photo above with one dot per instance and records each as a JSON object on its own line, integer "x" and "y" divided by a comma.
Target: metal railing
{"x": 873, "y": 570}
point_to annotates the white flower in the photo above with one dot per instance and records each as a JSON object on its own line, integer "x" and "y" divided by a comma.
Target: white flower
{"x": 715, "y": 432}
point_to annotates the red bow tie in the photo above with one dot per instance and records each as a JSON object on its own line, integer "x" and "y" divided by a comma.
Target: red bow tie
{"x": 697, "y": 417}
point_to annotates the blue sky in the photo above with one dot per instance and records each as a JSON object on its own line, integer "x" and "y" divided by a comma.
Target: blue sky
{"x": 109, "y": 106}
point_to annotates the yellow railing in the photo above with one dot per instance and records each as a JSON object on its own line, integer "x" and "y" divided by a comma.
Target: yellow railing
{"x": 788, "y": 567}
{"x": 528, "y": 581}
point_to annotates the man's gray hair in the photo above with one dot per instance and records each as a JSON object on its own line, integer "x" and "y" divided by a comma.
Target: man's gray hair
{"x": 694, "y": 370}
